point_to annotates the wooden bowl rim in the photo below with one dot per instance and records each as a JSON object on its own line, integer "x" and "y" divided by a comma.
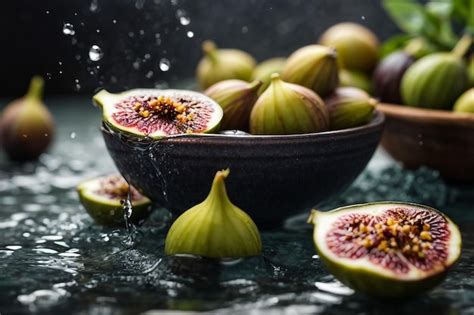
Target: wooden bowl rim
{"x": 427, "y": 116}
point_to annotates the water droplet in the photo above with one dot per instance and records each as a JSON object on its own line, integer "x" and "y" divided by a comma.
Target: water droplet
{"x": 190, "y": 34}
{"x": 114, "y": 21}
{"x": 48, "y": 76}
{"x": 94, "y": 6}
{"x": 97, "y": 30}
{"x": 47, "y": 11}
{"x": 95, "y": 53}
{"x": 142, "y": 32}
{"x": 174, "y": 2}
{"x": 183, "y": 17}
{"x": 131, "y": 34}
{"x": 68, "y": 29}
{"x": 149, "y": 74}
{"x": 72, "y": 135}
{"x": 60, "y": 63}
{"x": 147, "y": 56}
{"x": 139, "y": 4}
{"x": 245, "y": 29}
{"x": 363, "y": 17}
{"x": 164, "y": 64}
{"x": 136, "y": 64}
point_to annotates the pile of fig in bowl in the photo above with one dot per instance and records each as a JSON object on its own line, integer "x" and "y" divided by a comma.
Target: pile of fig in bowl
{"x": 290, "y": 134}
{"x": 425, "y": 82}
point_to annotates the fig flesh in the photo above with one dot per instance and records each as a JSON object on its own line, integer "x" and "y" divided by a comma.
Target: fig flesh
{"x": 388, "y": 75}
{"x": 387, "y": 249}
{"x": 102, "y": 198}
{"x": 159, "y": 113}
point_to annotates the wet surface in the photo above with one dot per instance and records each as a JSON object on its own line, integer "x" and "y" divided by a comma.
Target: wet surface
{"x": 54, "y": 259}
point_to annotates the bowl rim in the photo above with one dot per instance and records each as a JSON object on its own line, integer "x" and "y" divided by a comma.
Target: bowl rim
{"x": 425, "y": 115}
{"x": 377, "y": 122}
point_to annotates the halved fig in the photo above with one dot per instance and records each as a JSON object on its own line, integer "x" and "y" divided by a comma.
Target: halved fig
{"x": 102, "y": 197}
{"x": 159, "y": 113}
{"x": 387, "y": 249}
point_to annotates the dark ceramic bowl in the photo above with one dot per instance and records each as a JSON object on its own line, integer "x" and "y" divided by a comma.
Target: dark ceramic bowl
{"x": 271, "y": 178}
{"x": 442, "y": 140}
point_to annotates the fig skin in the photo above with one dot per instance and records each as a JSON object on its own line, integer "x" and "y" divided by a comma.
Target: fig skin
{"x": 465, "y": 103}
{"x": 434, "y": 81}
{"x": 286, "y": 108}
{"x": 265, "y": 69}
{"x": 470, "y": 71}
{"x": 223, "y": 64}
{"x": 374, "y": 284}
{"x": 314, "y": 67}
{"x": 357, "y": 79}
{"x": 26, "y": 125}
{"x": 388, "y": 75}
{"x": 356, "y": 46}
{"x": 349, "y": 107}
{"x": 215, "y": 228}
{"x": 236, "y": 98}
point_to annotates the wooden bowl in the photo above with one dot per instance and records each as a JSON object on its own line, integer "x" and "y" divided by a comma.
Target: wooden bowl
{"x": 441, "y": 140}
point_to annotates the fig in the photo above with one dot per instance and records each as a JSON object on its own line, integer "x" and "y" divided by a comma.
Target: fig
{"x": 437, "y": 80}
{"x": 465, "y": 103}
{"x": 286, "y": 108}
{"x": 223, "y": 64}
{"x": 236, "y": 98}
{"x": 265, "y": 69}
{"x": 26, "y": 125}
{"x": 215, "y": 228}
{"x": 470, "y": 71}
{"x": 418, "y": 47}
{"x": 387, "y": 249}
{"x": 357, "y": 79}
{"x": 388, "y": 75}
{"x": 159, "y": 113}
{"x": 102, "y": 197}
{"x": 349, "y": 107}
{"x": 314, "y": 67}
{"x": 356, "y": 46}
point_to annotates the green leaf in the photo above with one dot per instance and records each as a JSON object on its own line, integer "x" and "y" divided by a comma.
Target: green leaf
{"x": 407, "y": 14}
{"x": 394, "y": 43}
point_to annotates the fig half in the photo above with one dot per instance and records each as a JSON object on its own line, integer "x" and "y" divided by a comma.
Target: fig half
{"x": 102, "y": 198}
{"x": 387, "y": 249}
{"x": 159, "y": 113}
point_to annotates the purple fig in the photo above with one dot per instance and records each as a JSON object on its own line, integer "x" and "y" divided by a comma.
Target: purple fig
{"x": 388, "y": 76}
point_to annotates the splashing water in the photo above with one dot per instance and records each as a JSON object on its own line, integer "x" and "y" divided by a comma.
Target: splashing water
{"x": 95, "y": 53}
{"x": 68, "y": 29}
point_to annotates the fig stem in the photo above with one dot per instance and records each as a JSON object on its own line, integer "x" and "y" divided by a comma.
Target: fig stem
{"x": 275, "y": 76}
{"x": 313, "y": 217}
{"x": 218, "y": 190}
{"x": 255, "y": 85}
{"x": 35, "y": 91}
{"x": 210, "y": 50}
{"x": 462, "y": 46}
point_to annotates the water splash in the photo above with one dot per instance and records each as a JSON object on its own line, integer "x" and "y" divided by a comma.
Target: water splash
{"x": 68, "y": 29}
{"x": 95, "y": 53}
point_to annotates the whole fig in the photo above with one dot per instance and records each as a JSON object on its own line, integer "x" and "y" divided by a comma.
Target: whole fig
{"x": 236, "y": 97}
{"x": 356, "y": 46}
{"x": 349, "y": 107}
{"x": 465, "y": 104}
{"x": 388, "y": 75}
{"x": 26, "y": 126}
{"x": 314, "y": 67}
{"x": 223, "y": 64}
{"x": 265, "y": 69}
{"x": 286, "y": 108}
{"x": 357, "y": 79}
{"x": 437, "y": 80}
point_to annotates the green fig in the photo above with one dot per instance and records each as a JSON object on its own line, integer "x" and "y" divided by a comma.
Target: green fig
{"x": 356, "y": 46}
{"x": 215, "y": 228}
{"x": 387, "y": 249}
{"x": 223, "y": 64}
{"x": 265, "y": 69}
{"x": 26, "y": 125}
{"x": 357, "y": 79}
{"x": 465, "y": 103}
{"x": 470, "y": 71}
{"x": 437, "y": 80}
{"x": 236, "y": 98}
{"x": 349, "y": 107}
{"x": 314, "y": 67}
{"x": 286, "y": 108}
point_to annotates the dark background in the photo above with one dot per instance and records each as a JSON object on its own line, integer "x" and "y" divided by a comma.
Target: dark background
{"x": 145, "y": 31}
